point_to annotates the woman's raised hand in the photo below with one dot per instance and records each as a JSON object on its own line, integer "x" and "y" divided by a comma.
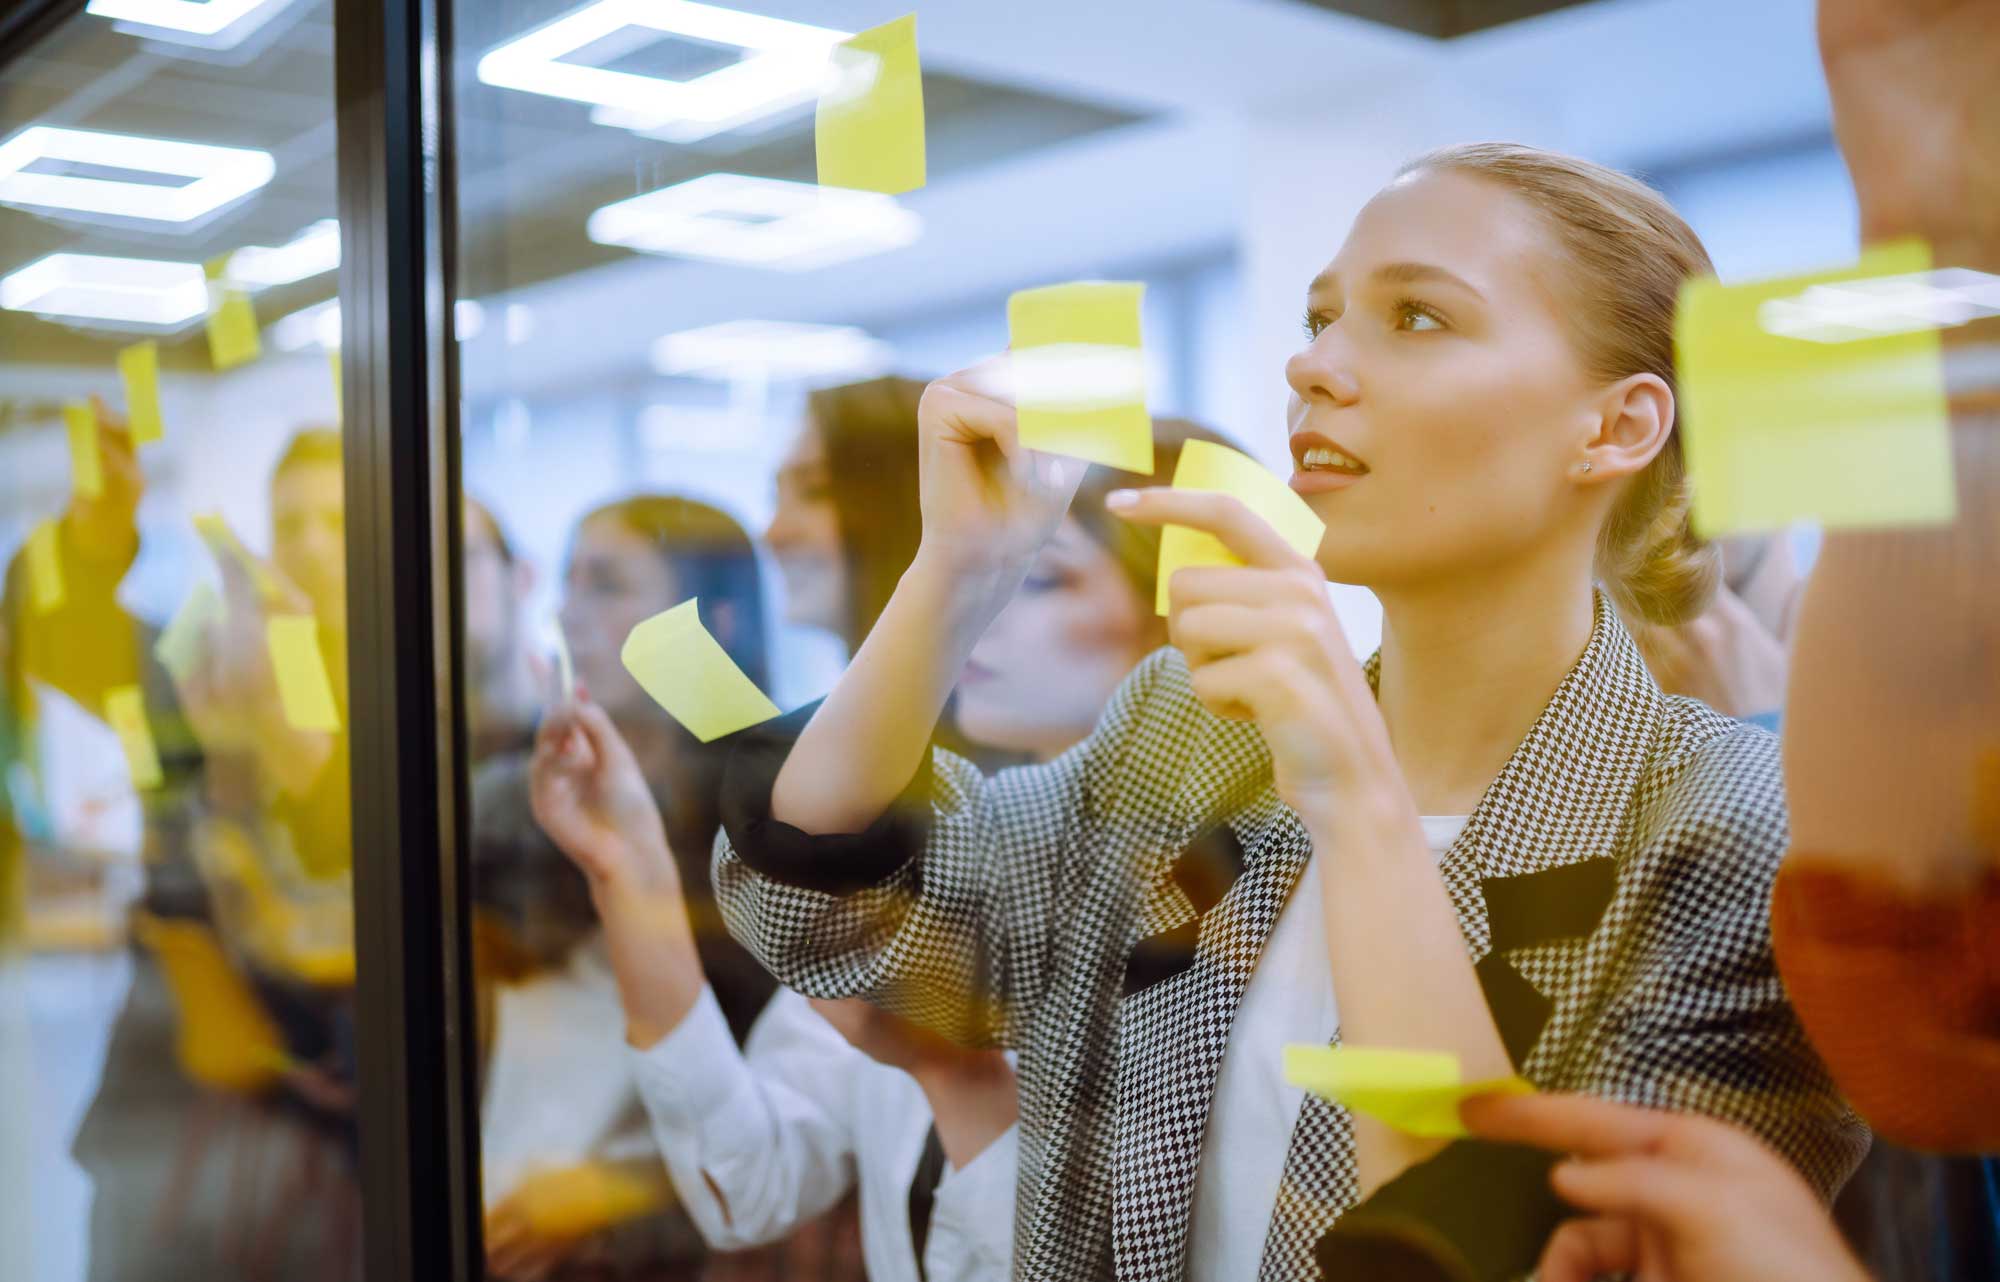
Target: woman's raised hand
{"x": 591, "y": 798}
{"x": 989, "y": 503}
{"x": 1263, "y": 643}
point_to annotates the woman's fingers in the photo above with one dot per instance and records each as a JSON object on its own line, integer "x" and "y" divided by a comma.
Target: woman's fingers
{"x": 1234, "y": 687}
{"x": 1241, "y": 530}
{"x": 1584, "y": 1250}
{"x": 1650, "y": 1187}
{"x": 1214, "y": 630}
{"x": 1581, "y": 1124}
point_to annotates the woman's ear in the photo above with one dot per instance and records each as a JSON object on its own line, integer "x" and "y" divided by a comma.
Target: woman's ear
{"x": 1635, "y": 416}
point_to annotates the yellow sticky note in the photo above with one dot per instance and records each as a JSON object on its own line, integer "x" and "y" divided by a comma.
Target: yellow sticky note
{"x": 1784, "y": 419}
{"x": 125, "y": 711}
{"x": 45, "y": 578}
{"x": 1079, "y": 372}
{"x": 572, "y": 1202}
{"x": 85, "y": 460}
{"x": 139, "y": 367}
{"x": 222, "y": 541}
{"x": 1217, "y": 468}
{"x": 180, "y": 640}
{"x": 333, "y": 364}
{"x": 300, "y": 669}
{"x": 1417, "y": 1092}
{"x": 690, "y": 675}
{"x": 232, "y": 321}
{"x": 869, "y": 131}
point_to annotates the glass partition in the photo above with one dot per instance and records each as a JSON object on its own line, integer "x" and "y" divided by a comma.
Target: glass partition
{"x": 176, "y": 921}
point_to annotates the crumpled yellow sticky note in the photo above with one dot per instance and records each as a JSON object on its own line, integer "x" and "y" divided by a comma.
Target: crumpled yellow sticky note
{"x": 125, "y": 712}
{"x": 1417, "y": 1092}
{"x": 869, "y": 130}
{"x": 139, "y": 367}
{"x": 576, "y": 1201}
{"x": 1218, "y": 469}
{"x": 85, "y": 460}
{"x": 45, "y": 577}
{"x": 1784, "y": 421}
{"x": 1078, "y": 365}
{"x": 300, "y": 668}
{"x": 687, "y": 672}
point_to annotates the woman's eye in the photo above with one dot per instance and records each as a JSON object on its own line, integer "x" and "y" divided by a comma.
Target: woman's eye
{"x": 1041, "y": 583}
{"x": 1413, "y": 317}
{"x": 1315, "y": 322}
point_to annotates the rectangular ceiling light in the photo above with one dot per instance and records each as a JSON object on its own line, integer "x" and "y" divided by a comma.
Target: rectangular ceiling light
{"x": 757, "y": 222}
{"x": 308, "y": 327}
{"x": 191, "y": 16}
{"x": 770, "y": 350}
{"x": 782, "y": 66}
{"x": 216, "y": 175}
{"x": 136, "y": 291}
{"x": 314, "y": 251}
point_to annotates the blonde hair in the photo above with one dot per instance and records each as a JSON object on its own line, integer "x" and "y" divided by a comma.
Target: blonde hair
{"x": 1628, "y": 252}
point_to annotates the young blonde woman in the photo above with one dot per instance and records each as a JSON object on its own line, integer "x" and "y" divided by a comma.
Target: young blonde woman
{"x": 1497, "y": 838}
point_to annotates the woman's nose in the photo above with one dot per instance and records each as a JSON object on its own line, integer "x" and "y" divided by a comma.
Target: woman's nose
{"x": 1318, "y": 372}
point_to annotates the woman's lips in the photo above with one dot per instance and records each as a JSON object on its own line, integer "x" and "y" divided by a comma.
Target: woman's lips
{"x": 973, "y": 673}
{"x": 1303, "y": 482}
{"x": 1313, "y": 468}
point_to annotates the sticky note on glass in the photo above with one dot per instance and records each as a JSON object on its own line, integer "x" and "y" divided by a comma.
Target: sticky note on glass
{"x": 689, "y": 674}
{"x": 333, "y": 364}
{"x": 1786, "y": 420}
{"x": 180, "y": 641}
{"x": 1417, "y": 1092}
{"x": 1218, "y": 469}
{"x": 139, "y": 367}
{"x": 869, "y": 131}
{"x": 1079, "y": 372}
{"x": 125, "y": 711}
{"x": 232, "y": 321}
{"x": 300, "y": 669}
{"x": 226, "y": 547}
{"x": 86, "y": 461}
{"x": 45, "y": 578}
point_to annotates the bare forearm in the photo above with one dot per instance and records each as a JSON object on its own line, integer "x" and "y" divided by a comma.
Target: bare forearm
{"x": 652, "y": 953}
{"x": 870, "y": 735}
{"x": 1393, "y": 935}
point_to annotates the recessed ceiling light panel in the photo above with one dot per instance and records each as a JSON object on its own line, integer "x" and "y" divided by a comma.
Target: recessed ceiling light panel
{"x": 213, "y": 176}
{"x": 313, "y": 252}
{"x": 770, "y": 350}
{"x": 133, "y": 291}
{"x": 191, "y": 16}
{"x": 757, "y": 222}
{"x": 782, "y": 65}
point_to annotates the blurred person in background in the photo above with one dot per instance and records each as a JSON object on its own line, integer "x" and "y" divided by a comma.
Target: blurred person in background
{"x": 572, "y": 1182}
{"x": 760, "y": 1141}
{"x": 503, "y": 676}
{"x": 1732, "y": 656}
{"x": 1886, "y": 911}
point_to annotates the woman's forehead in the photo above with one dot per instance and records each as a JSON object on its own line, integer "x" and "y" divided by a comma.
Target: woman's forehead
{"x": 1469, "y": 226}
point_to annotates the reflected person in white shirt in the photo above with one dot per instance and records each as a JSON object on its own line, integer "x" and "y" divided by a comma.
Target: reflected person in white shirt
{"x": 829, "y": 1096}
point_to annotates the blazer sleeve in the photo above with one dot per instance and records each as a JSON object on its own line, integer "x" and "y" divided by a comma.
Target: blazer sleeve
{"x": 1687, "y": 1013}
{"x": 941, "y": 910}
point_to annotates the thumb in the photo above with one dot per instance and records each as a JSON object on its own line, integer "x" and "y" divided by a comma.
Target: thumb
{"x": 602, "y": 737}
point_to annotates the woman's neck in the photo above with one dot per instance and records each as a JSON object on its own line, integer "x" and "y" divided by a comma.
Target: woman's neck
{"x": 1466, "y": 669}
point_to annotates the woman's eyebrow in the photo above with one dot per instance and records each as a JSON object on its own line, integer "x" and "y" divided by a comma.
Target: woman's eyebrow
{"x": 1423, "y": 273}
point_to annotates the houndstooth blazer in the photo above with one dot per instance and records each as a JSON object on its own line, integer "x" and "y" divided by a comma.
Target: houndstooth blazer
{"x": 1102, "y": 914}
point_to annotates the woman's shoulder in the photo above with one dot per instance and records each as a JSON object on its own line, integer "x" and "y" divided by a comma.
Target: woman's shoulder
{"x": 1715, "y": 781}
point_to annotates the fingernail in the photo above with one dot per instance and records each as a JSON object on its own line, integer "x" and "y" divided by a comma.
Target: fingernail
{"x": 1119, "y": 500}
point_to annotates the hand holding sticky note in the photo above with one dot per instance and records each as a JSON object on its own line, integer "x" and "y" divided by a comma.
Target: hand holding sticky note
{"x": 1079, "y": 372}
{"x": 1783, "y": 420}
{"x": 1218, "y": 469}
{"x": 1417, "y": 1092}
{"x": 869, "y": 131}
{"x": 688, "y": 673}
{"x": 232, "y": 557}
{"x": 299, "y": 666}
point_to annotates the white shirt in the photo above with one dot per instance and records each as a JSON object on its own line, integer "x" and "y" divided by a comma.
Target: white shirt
{"x": 1289, "y": 999}
{"x": 558, "y": 1089}
{"x": 784, "y": 1127}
